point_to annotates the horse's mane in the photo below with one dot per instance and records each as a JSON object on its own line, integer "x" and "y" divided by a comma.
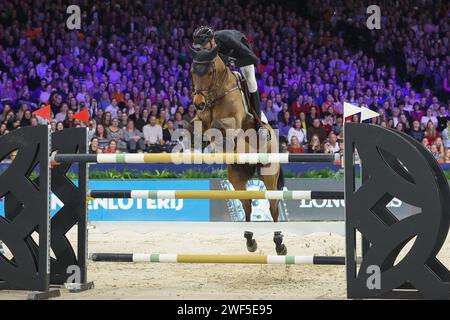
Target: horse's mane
{"x": 222, "y": 59}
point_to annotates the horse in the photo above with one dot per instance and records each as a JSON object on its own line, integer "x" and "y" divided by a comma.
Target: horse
{"x": 220, "y": 103}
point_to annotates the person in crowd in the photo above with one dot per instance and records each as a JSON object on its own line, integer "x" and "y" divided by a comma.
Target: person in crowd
{"x": 435, "y": 152}
{"x": 168, "y": 132}
{"x": 302, "y": 118}
{"x": 446, "y": 158}
{"x": 153, "y": 133}
{"x": 102, "y": 136}
{"x": 6, "y": 110}
{"x": 442, "y": 117}
{"x": 94, "y": 146}
{"x": 123, "y": 121}
{"x": 62, "y": 114}
{"x": 311, "y": 116}
{"x": 416, "y": 131}
{"x": 69, "y": 121}
{"x": 327, "y": 122}
{"x": 431, "y": 133}
{"x": 188, "y": 116}
{"x": 112, "y": 147}
{"x": 439, "y": 146}
{"x": 400, "y": 127}
{"x": 297, "y": 131}
{"x": 271, "y": 113}
{"x": 53, "y": 126}
{"x": 106, "y": 119}
{"x": 3, "y": 129}
{"x": 179, "y": 122}
{"x": 105, "y": 100}
{"x": 315, "y": 145}
{"x": 134, "y": 138}
{"x": 338, "y": 126}
{"x": 284, "y": 125}
{"x": 91, "y": 129}
{"x": 297, "y": 106}
{"x": 405, "y": 122}
{"x": 113, "y": 108}
{"x": 426, "y": 143}
{"x": 445, "y": 135}
{"x": 142, "y": 120}
{"x": 117, "y": 134}
{"x": 417, "y": 114}
{"x": 295, "y": 146}
{"x": 316, "y": 129}
{"x": 429, "y": 117}
{"x": 162, "y": 119}
{"x": 26, "y": 119}
{"x": 331, "y": 145}
{"x": 34, "y": 121}
{"x": 59, "y": 126}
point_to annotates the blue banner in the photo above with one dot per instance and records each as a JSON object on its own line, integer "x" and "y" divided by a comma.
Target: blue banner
{"x": 149, "y": 209}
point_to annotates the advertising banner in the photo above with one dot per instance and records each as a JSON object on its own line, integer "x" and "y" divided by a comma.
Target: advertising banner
{"x": 295, "y": 210}
{"x": 216, "y": 210}
{"x": 149, "y": 209}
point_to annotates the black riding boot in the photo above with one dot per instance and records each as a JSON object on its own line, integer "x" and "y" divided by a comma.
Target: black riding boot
{"x": 256, "y": 102}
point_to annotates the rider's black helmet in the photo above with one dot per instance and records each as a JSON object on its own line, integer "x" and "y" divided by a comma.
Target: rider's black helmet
{"x": 202, "y": 35}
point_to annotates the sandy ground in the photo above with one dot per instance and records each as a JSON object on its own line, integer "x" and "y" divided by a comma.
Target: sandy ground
{"x": 212, "y": 281}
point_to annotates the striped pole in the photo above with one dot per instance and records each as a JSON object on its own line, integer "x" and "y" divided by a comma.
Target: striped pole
{"x": 215, "y": 258}
{"x": 214, "y": 194}
{"x": 197, "y": 158}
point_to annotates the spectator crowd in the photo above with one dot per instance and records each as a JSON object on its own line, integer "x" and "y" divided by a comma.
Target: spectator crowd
{"x": 129, "y": 67}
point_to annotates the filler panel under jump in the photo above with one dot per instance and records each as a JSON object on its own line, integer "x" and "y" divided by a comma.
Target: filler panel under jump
{"x": 393, "y": 165}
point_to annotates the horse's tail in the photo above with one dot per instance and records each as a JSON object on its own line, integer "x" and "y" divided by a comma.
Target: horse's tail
{"x": 280, "y": 182}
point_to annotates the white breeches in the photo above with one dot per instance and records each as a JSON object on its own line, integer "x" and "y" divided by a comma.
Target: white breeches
{"x": 249, "y": 75}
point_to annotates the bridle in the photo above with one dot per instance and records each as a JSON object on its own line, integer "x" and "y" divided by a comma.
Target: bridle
{"x": 210, "y": 93}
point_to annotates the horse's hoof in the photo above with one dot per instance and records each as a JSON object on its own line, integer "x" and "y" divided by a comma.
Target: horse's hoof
{"x": 277, "y": 238}
{"x": 251, "y": 243}
{"x": 279, "y": 246}
{"x": 252, "y": 246}
{"x": 281, "y": 250}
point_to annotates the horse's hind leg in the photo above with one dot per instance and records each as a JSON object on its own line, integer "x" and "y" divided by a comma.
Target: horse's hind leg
{"x": 271, "y": 183}
{"x": 238, "y": 176}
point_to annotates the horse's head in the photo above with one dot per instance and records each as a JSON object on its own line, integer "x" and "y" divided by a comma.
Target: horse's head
{"x": 206, "y": 66}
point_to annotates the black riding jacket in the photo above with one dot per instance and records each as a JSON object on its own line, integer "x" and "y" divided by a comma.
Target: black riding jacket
{"x": 234, "y": 45}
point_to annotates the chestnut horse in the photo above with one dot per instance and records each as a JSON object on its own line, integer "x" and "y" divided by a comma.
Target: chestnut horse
{"x": 219, "y": 99}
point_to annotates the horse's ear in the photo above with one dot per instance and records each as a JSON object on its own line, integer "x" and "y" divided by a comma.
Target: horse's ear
{"x": 193, "y": 52}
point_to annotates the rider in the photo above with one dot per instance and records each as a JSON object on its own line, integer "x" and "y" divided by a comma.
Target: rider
{"x": 234, "y": 45}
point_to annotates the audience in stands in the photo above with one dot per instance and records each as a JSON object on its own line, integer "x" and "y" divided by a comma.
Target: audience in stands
{"x": 136, "y": 85}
